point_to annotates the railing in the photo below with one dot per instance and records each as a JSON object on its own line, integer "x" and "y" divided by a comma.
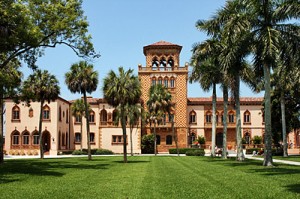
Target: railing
{"x": 162, "y": 69}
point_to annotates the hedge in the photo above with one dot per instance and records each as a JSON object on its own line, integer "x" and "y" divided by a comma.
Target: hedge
{"x": 183, "y": 150}
{"x": 275, "y": 151}
{"x": 195, "y": 152}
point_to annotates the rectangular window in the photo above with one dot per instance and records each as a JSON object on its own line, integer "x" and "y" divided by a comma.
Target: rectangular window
{"x": 192, "y": 118}
{"x": 78, "y": 119}
{"x": 172, "y": 83}
{"x": 246, "y": 118}
{"x": 117, "y": 139}
{"x": 159, "y": 81}
{"x": 92, "y": 137}
{"x": 169, "y": 140}
{"x": 16, "y": 115}
{"x": 77, "y": 137}
{"x": 153, "y": 82}
{"x": 92, "y": 118}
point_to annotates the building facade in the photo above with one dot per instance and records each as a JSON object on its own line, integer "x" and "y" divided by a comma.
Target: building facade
{"x": 192, "y": 116}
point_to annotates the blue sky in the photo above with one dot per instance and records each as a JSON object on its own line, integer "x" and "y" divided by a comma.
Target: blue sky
{"x": 121, "y": 28}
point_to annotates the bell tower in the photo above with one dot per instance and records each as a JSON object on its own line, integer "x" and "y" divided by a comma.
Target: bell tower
{"x": 163, "y": 67}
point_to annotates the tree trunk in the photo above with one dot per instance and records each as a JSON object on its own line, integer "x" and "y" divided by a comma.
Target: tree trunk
{"x": 284, "y": 140}
{"x": 240, "y": 155}
{"x": 123, "y": 124}
{"x": 155, "y": 138}
{"x": 87, "y": 126}
{"x": 81, "y": 134}
{"x": 213, "y": 132}
{"x": 225, "y": 104}
{"x": 268, "y": 160}
{"x": 40, "y": 131}
{"x": 1, "y": 130}
{"x": 131, "y": 143}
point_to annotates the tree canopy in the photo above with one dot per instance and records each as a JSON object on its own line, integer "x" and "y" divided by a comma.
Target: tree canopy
{"x": 27, "y": 27}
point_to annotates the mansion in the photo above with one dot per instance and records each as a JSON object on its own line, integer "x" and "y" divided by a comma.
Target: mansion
{"x": 192, "y": 116}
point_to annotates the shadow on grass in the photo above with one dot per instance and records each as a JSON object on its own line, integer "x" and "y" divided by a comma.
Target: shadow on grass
{"x": 293, "y": 188}
{"x": 13, "y": 170}
{"x": 132, "y": 161}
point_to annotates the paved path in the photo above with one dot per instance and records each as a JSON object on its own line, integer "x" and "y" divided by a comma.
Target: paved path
{"x": 230, "y": 154}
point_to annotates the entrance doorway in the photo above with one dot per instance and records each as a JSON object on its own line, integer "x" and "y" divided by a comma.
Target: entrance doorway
{"x": 219, "y": 140}
{"x": 46, "y": 140}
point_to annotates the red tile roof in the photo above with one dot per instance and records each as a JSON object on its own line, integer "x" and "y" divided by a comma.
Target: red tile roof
{"x": 206, "y": 100}
{"x": 162, "y": 45}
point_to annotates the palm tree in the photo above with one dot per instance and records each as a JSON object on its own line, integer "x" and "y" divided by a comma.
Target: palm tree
{"x": 133, "y": 113}
{"x": 78, "y": 110}
{"x": 10, "y": 77}
{"x": 43, "y": 87}
{"x": 119, "y": 91}
{"x": 206, "y": 70}
{"x": 158, "y": 104}
{"x": 83, "y": 79}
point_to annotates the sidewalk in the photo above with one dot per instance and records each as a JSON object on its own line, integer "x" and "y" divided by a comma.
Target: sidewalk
{"x": 274, "y": 160}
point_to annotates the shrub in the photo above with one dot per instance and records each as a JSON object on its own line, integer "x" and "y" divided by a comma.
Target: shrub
{"x": 195, "y": 152}
{"x": 4, "y": 152}
{"x": 79, "y": 152}
{"x": 148, "y": 144}
{"x": 67, "y": 152}
{"x": 183, "y": 150}
{"x": 257, "y": 139}
{"x": 93, "y": 151}
{"x": 103, "y": 152}
{"x": 201, "y": 139}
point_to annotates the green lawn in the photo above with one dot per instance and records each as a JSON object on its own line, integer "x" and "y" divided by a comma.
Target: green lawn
{"x": 146, "y": 177}
{"x": 295, "y": 158}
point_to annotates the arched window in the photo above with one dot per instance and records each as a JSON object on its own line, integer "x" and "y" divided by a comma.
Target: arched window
{"x": 170, "y": 64}
{"x": 115, "y": 116}
{"x": 153, "y": 81}
{"x": 171, "y": 117}
{"x": 30, "y": 112}
{"x": 166, "y": 82}
{"x": 231, "y": 117}
{"x": 217, "y": 117}
{"x": 193, "y": 117}
{"x": 247, "y": 137}
{"x": 78, "y": 119}
{"x": 35, "y": 135}
{"x": 160, "y": 80}
{"x": 158, "y": 139}
{"x": 155, "y": 63}
{"x": 15, "y": 136}
{"x": 15, "y": 113}
{"x": 263, "y": 117}
{"x": 208, "y": 117}
{"x": 25, "y": 138}
{"x": 247, "y": 117}
{"x": 172, "y": 82}
{"x": 46, "y": 112}
{"x": 59, "y": 113}
{"x": 169, "y": 140}
{"x": 92, "y": 117}
{"x": 103, "y": 117}
{"x": 162, "y": 64}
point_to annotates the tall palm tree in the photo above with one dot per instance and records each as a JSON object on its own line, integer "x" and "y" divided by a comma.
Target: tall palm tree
{"x": 133, "y": 113}
{"x": 121, "y": 90}
{"x": 78, "y": 109}
{"x": 83, "y": 79}
{"x": 43, "y": 87}
{"x": 158, "y": 104}
{"x": 10, "y": 81}
{"x": 206, "y": 71}
{"x": 264, "y": 26}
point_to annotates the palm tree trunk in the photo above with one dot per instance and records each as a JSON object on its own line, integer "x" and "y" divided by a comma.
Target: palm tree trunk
{"x": 225, "y": 104}
{"x": 268, "y": 160}
{"x": 240, "y": 155}
{"x": 282, "y": 106}
{"x": 123, "y": 124}
{"x": 155, "y": 152}
{"x": 1, "y": 130}
{"x": 213, "y": 132}
{"x": 87, "y": 126}
{"x": 40, "y": 131}
{"x": 131, "y": 143}
{"x": 81, "y": 134}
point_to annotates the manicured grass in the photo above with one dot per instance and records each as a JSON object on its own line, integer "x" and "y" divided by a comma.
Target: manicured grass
{"x": 295, "y": 158}
{"x": 146, "y": 177}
